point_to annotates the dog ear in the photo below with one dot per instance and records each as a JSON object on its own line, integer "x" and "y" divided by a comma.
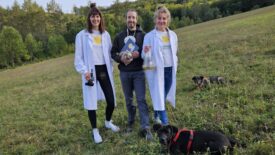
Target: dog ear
{"x": 156, "y": 127}
{"x": 172, "y": 129}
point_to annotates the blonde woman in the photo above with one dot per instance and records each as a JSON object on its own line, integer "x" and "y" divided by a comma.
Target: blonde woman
{"x": 93, "y": 62}
{"x": 163, "y": 45}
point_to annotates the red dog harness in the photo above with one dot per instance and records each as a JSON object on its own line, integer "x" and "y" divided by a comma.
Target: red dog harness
{"x": 190, "y": 138}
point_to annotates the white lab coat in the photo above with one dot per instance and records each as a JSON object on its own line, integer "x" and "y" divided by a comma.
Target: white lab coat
{"x": 83, "y": 64}
{"x": 155, "y": 77}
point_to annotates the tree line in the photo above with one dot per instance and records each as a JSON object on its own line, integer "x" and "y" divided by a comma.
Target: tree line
{"x": 28, "y": 33}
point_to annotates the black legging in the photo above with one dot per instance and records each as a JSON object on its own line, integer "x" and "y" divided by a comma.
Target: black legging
{"x": 105, "y": 83}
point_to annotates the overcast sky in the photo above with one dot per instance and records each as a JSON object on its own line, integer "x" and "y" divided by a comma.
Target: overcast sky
{"x": 66, "y": 5}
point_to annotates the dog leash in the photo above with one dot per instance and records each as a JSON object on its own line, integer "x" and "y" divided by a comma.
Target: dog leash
{"x": 171, "y": 111}
{"x": 190, "y": 140}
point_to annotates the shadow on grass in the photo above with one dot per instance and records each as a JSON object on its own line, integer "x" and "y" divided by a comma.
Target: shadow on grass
{"x": 188, "y": 89}
{"x": 270, "y": 53}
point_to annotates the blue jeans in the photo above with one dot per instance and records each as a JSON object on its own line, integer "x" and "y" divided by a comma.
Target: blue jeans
{"x": 167, "y": 85}
{"x": 135, "y": 81}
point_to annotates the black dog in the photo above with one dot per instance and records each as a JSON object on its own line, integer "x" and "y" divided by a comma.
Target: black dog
{"x": 185, "y": 141}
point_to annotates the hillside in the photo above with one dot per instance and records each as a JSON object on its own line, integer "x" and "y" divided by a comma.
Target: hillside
{"x": 41, "y": 104}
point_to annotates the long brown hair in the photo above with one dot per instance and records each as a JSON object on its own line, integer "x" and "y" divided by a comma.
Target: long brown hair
{"x": 95, "y": 11}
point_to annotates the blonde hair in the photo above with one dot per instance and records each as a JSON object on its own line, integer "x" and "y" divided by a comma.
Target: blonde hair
{"x": 162, "y": 9}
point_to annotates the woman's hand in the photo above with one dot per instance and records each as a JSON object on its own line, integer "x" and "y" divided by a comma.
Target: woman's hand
{"x": 88, "y": 76}
{"x": 146, "y": 49}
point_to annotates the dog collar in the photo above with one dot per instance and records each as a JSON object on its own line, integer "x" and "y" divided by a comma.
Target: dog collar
{"x": 190, "y": 138}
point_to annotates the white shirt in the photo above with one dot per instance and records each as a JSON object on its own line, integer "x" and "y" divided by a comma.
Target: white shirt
{"x": 97, "y": 53}
{"x": 165, "y": 48}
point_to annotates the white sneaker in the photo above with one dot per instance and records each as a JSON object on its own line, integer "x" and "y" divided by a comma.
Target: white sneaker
{"x": 97, "y": 137}
{"x": 157, "y": 120}
{"x": 110, "y": 125}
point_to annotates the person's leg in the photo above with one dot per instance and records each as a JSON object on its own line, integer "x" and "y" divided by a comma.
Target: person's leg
{"x": 163, "y": 117}
{"x": 155, "y": 114}
{"x": 127, "y": 87}
{"x": 92, "y": 118}
{"x": 167, "y": 85}
{"x": 105, "y": 83}
{"x": 156, "y": 117}
{"x": 167, "y": 80}
{"x": 139, "y": 87}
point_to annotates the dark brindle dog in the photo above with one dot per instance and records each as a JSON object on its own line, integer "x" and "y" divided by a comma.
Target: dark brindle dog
{"x": 186, "y": 141}
{"x": 203, "y": 81}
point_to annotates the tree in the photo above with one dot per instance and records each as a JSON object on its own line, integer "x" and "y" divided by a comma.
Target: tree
{"x": 3, "y": 17}
{"x": 56, "y": 45}
{"x": 109, "y": 23}
{"x": 56, "y": 24}
{"x": 53, "y": 7}
{"x": 30, "y": 19}
{"x": 28, "y": 5}
{"x": 147, "y": 20}
{"x": 73, "y": 26}
{"x": 81, "y": 11}
{"x": 187, "y": 21}
{"x": 13, "y": 50}
{"x": 34, "y": 47}
{"x": 14, "y": 17}
{"x": 176, "y": 23}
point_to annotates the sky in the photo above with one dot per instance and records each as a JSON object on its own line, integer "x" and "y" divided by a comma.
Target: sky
{"x": 66, "y": 5}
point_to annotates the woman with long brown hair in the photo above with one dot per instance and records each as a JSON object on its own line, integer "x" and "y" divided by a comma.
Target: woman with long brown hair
{"x": 93, "y": 62}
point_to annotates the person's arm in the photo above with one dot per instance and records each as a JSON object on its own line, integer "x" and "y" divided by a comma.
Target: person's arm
{"x": 146, "y": 46}
{"x": 79, "y": 56}
{"x": 115, "y": 51}
{"x": 137, "y": 54}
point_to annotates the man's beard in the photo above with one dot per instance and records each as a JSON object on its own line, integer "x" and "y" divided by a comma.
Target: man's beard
{"x": 131, "y": 25}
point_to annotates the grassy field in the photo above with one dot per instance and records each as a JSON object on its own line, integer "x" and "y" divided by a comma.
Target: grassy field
{"x": 41, "y": 109}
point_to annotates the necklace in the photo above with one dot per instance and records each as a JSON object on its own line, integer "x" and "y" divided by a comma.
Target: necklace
{"x": 129, "y": 34}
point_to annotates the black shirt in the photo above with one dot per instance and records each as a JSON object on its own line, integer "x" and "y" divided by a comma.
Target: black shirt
{"x": 136, "y": 64}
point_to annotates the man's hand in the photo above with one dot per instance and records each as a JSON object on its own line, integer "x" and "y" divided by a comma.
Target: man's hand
{"x": 125, "y": 59}
{"x": 135, "y": 54}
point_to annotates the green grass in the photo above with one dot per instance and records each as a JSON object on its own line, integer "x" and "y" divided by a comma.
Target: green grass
{"x": 41, "y": 108}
